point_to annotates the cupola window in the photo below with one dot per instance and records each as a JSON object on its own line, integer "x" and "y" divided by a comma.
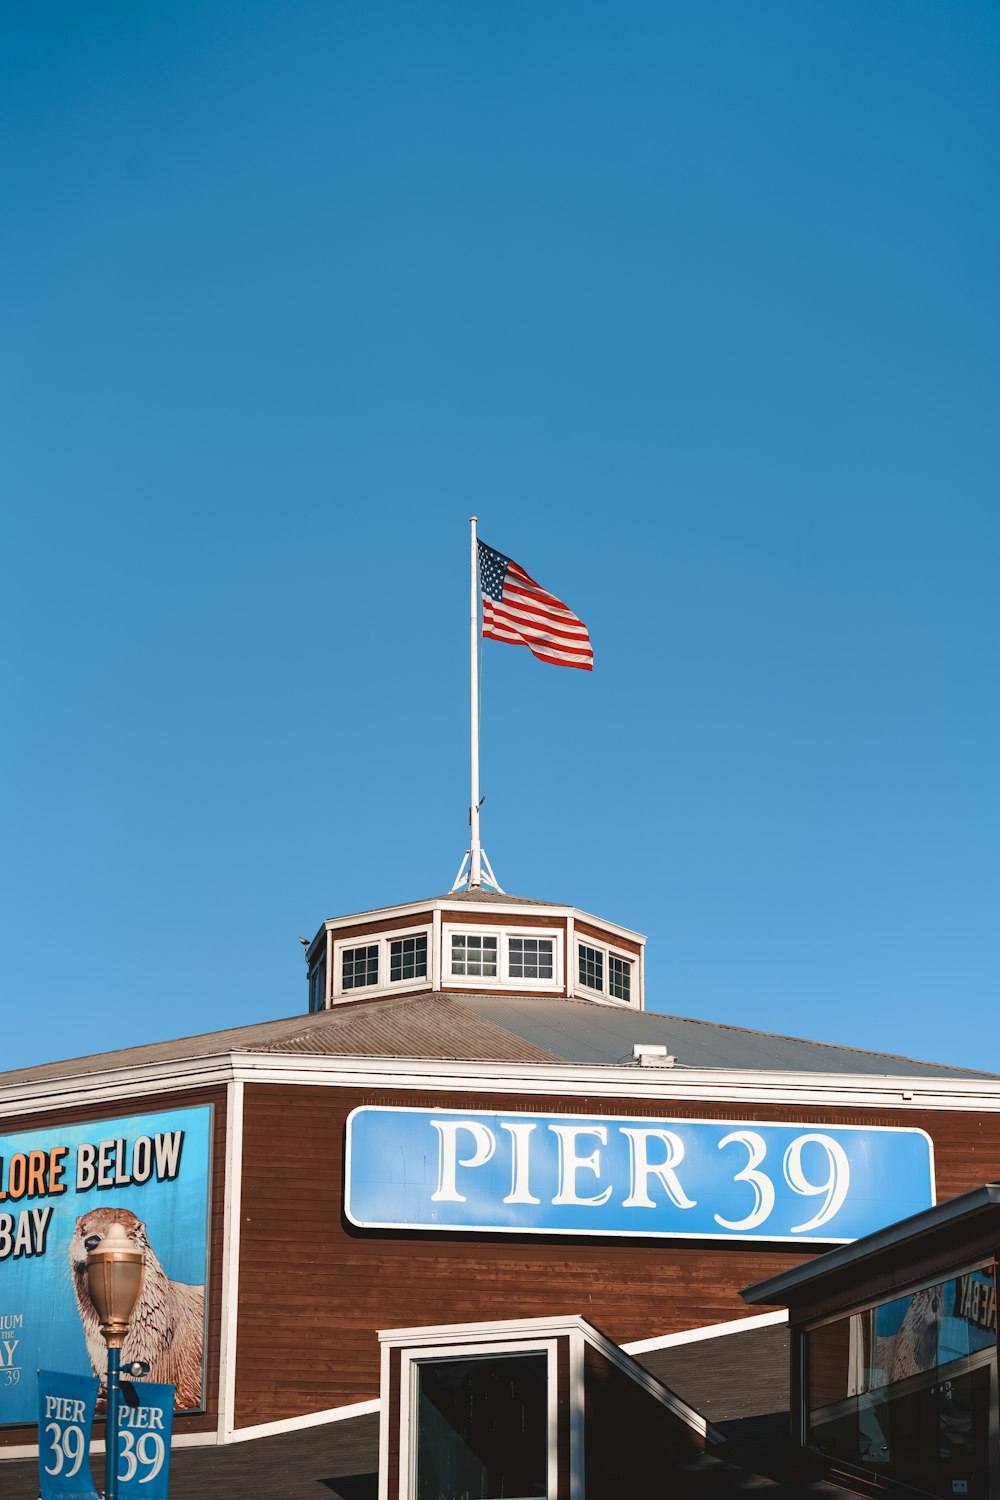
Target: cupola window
{"x": 619, "y": 977}
{"x": 408, "y": 958}
{"x": 592, "y": 968}
{"x": 522, "y": 958}
{"x": 359, "y": 966}
{"x": 605, "y": 971}
{"x": 530, "y": 958}
{"x": 388, "y": 961}
{"x": 473, "y": 955}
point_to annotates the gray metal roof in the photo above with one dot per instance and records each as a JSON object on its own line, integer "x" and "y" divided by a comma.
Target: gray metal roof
{"x": 506, "y": 1028}
{"x": 582, "y": 1031}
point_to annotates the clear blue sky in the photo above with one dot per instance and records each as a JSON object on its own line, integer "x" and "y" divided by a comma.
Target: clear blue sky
{"x": 695, "y": 304}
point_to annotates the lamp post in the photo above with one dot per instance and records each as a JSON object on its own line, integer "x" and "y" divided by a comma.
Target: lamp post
{"x": 114, "y": 1275}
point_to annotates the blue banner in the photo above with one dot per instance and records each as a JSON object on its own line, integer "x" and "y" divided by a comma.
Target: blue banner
{"x": 526, "y": 1173}
{"x": 145, "y": 1424}
{"x": 62, "y": 1186}
{"x": 66, "y": 1405}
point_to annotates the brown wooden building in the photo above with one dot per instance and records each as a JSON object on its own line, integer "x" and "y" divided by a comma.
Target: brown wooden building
{"x": 482, "y": 1005}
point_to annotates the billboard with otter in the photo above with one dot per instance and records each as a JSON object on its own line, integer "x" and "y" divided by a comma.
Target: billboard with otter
{"x": 60, "y": 1188}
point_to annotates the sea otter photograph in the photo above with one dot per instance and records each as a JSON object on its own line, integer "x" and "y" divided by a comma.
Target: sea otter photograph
{"x": 167, "y": 1326}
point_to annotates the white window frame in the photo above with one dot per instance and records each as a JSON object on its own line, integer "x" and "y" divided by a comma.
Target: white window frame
{"x": 437, "y": 1353}
{"x": 385, "y": 985}
{"x": 502, "y": 977}
{"x": 607, "y": 951}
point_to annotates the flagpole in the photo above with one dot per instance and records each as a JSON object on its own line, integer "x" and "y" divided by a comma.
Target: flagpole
{"x": 475, "y": 850}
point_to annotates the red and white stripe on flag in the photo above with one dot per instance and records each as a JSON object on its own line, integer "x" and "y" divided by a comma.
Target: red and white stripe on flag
{"x": 518, "y": 610}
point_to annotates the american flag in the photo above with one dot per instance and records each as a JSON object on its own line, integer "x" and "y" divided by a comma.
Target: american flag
{"x": 518, "y": 610}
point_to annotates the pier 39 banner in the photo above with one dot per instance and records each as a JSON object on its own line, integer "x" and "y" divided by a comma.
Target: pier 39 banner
{"x": 529, "y": 1173}
{"x": 62, "y": 1185}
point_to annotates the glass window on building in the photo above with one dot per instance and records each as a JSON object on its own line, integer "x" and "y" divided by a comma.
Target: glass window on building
{"x": 529, "y": 958}
{"x": 408, "y": 957}
{"x": 591, "y": 967}
{"x": 473, "y": 956}
{"x": 359, "y": 966}
{"x": 482, "y": 1428}
{"x": 908, "y": 1389}
{"x": 619, "y": 977}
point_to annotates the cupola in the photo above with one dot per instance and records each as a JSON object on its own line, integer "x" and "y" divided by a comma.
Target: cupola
{"x": 476, "y": 941}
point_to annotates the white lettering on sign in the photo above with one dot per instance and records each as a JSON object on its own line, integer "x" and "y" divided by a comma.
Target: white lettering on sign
{"x": 67, "y": 1446}
{"x": 639, "y": 1174}
{"x": 24, "y": 1234}
{"x": 641, "y": 1168}
{"x": 449, "y": 1160}
{"x": 763, "y": 1187}
{"x": 141, "y": 1416}
{"x": 570, "y": 1163}
{"x": 116, "y": 1164}
{"x": 835, "y": 1185}
{"x": 64, "y": 1408}
{"x": 520, "y": 1134}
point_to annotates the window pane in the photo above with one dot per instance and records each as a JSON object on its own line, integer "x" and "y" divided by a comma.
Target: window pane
{"x": 530, "y": 958}
{"x": 359, "y": 966}
{"x": 591, "y": 968}
{"x": 473, "y": 955}
{"x": 408, "y": 957}
{"x": 482, "y": 1428}
{"x": 619, "y": 977}
{"x": 903, "y": 1388}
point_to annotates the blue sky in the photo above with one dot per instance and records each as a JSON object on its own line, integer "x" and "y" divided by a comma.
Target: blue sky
{"x": 694, "y": 304}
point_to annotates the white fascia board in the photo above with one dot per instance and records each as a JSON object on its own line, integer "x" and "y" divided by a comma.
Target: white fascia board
{"x": 502, "y": 908}
{"x": 505, "y": 1328}
{"x": 301, "y": 1424}
{"x": 511, "y": 1329}
{"x": 111, "y": 1084}
{"x": 711, "y": 1331}
{"x": 704, "y": 1085}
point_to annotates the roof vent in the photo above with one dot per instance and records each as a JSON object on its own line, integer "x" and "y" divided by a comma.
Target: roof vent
{"x": 651, "y": 1055}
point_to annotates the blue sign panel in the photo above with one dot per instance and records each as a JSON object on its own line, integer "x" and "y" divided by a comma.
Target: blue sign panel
{"x": 692, "y": 1179}
{"x": 66, "y": 1405}
{"x": 145, "y": 1424}
{"x": 63, "y": 1185}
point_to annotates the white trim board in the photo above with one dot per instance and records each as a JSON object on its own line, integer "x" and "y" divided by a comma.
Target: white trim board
{"x": 311, "y": 1419}
{"x": 571, "y": 1325}
{"x": 509, "y": 907}
{"x": 853, "y": 1091}
{"x": 231, "y": 1259}
{"x": 710, "y": 1331}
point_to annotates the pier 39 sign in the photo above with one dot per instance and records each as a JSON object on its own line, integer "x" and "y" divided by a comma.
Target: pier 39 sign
{"x": 526, "y": 1173}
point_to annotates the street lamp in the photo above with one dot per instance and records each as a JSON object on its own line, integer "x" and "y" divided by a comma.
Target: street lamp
{"x": 114, "y": 1276}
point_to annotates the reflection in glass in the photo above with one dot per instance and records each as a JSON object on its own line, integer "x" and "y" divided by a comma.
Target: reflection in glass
{"x": 908, "y": 1386}
{"x": 482, "y": 1428}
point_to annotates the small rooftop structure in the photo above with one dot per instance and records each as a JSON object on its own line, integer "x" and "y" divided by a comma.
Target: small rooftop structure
{"x": 476, "y": 940}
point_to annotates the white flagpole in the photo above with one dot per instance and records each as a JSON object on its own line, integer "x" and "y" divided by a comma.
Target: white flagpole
{"x": 475, "y": 850}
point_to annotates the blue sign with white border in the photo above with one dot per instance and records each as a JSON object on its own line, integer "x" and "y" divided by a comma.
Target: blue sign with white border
{"x": 525, "y": 1173}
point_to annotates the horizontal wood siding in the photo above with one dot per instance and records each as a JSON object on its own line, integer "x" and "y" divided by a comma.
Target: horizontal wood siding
{"x": 601, "y": 935}
{"x": 361, "y": 929}
{"x": 314, "y": 1346}
{"x": 503, "y": 921}
{"x": 207, "y": 1420}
